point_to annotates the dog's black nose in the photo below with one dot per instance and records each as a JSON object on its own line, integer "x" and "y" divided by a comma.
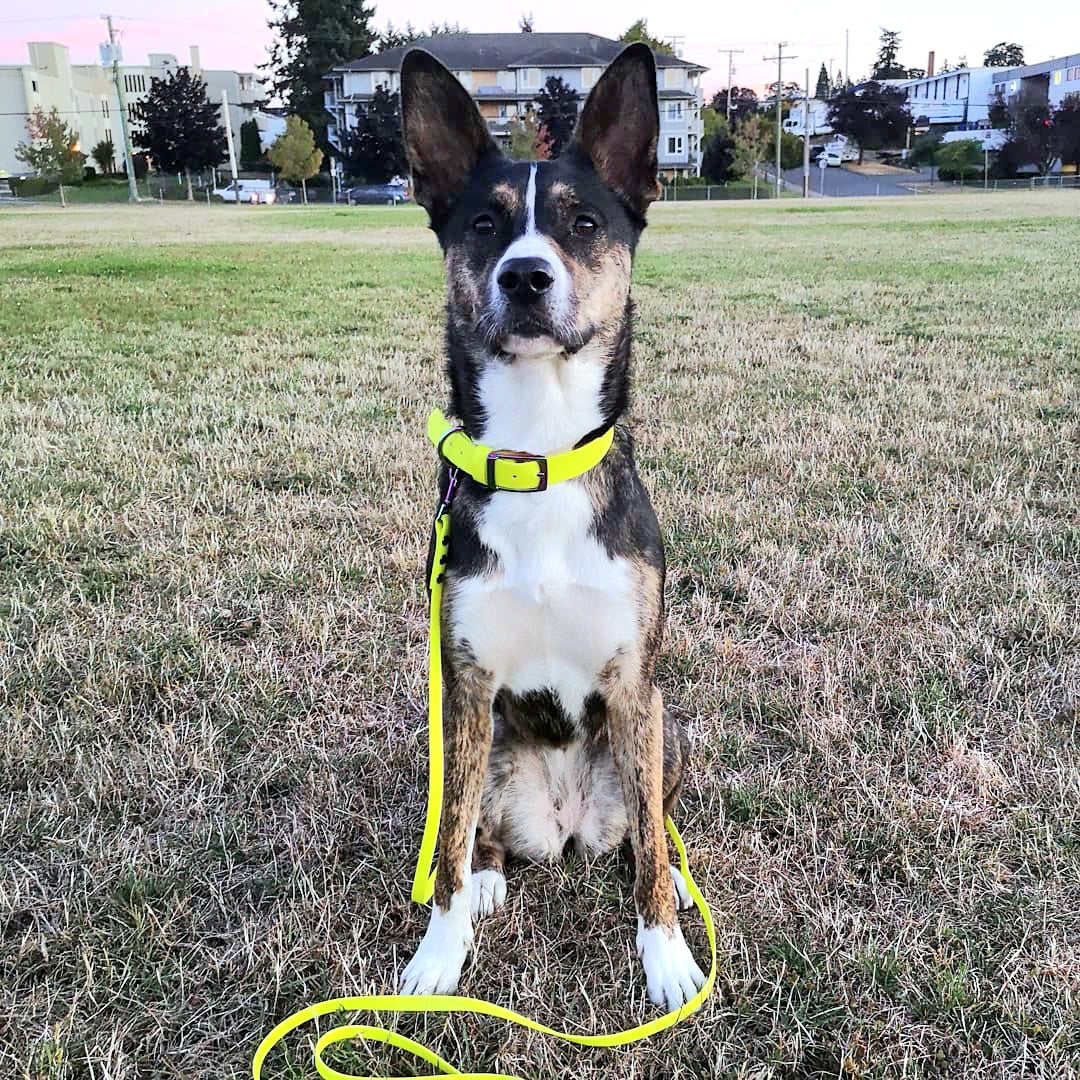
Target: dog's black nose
{"x": 525, "y": 280}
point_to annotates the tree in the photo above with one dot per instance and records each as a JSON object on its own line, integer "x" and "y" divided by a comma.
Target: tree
{"x": 959, "y": 159}
{"x": 744, "y": 102}
{"x": 529, "y": 141}
{"x": 294, "y": 153}
{"x": 639, "y": 31}
{"x": 1066, "y": 125}
{"x": 104, "y": 154}
{"x": 712, "y": 123}
{"x": 872, "y": 116}
{"x": 1031, "y": 138}
{"x": 924, "y": 149}
{"x": 718, "y": 158}
{"x": 839, "y": 85}
{"x": 557, "y": 109}
{"x": 373, "y": 149}
{"x": 999, "y": 110}
{"x": 180, "y": 128}
{"x": 50, "y": 151}
{"x": 525, "y": 23}
{"x": 1004, "y": 54}
{"x": 394, "y": 38}
{"x": 886, "y": 65}
{"x": 751, "y": 145}
{"x": 823, "y": 90}
{"x": 250, "y": 145}
{"x": 312, "y": 37}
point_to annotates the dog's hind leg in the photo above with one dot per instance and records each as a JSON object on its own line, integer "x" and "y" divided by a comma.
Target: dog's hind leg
{"x": 436, "y": 964}
{"x": 636, "y": 731}
{"x": 488, "y": 877}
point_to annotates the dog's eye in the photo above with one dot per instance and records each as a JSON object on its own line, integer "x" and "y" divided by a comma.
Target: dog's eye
{"x": 584, "y": 225}
{"x": 484, "y": 225}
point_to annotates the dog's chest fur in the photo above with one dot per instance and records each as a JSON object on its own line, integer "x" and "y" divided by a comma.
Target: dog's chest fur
{"x": 555, "y": 606}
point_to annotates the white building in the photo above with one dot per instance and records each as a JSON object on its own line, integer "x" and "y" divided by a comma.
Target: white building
{"x": 82, "y": 94}
{"x": 959, "y": 98}
{"x": 505, "y": 72}
{"x": 86, "y": 98}
{"x": 1052, "y": 80}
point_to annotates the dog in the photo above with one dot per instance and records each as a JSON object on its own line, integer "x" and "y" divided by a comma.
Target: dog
{"x": 556, "y": 735}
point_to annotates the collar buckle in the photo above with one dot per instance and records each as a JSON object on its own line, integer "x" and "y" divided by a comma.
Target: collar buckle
{"x": 520, "y": 457}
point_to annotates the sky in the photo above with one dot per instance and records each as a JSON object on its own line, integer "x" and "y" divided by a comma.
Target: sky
{"x": 232, "y": 34}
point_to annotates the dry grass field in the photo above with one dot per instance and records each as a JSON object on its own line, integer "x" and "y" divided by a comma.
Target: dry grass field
{"x": 860, "y": 425}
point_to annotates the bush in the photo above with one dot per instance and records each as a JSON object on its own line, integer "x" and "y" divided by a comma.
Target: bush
{"x": 33, "y": 186}
{"x": 925, "y": 148}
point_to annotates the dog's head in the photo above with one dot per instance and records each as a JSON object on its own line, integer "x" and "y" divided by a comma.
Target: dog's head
{"x": 538, "y": 254}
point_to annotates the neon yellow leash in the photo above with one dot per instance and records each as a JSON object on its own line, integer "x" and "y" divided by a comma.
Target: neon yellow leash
{"x": 505, "y": 471}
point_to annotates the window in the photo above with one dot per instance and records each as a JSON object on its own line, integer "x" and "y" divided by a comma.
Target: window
{"x": 1073, "y": 74}
{"x": 465, "y": 78}
{"x": 674, "y": 145}
{"x": 674, "y": 78}
{"x": 33, "y": 84}
{"x": 105, "y": 108}
{"x": 1057, "y": 78}
{"x": 530, "y": 77}
{"x": 675, "y": 110}
{"x": 589, "y": 76}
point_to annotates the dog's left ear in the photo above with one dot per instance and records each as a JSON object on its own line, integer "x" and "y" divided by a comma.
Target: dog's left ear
{"x": 620, "y": 125}
{"x": 445, "y": 136}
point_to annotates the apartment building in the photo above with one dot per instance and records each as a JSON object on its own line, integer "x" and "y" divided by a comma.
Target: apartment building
{"x": 505, "y": 72}
{"x": 1052, "y": 80}
{"x": 86, "y": 98}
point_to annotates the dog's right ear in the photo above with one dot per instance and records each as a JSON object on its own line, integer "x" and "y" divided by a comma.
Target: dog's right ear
{"x": 445, "y": 136}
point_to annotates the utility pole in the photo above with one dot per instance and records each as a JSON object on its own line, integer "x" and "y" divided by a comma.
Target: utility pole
{"x": 730, "y": 76}
{"x": 229, "y": 140}
{"x": 779, "y": 58}
{"x": 832, "y": 59}
{"x": 114, "y": 57}
{"x": 806, "y": 140}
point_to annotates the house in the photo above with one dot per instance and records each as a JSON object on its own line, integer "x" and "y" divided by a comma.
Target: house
{"x": 505, "y": 72}
{"x": 1051, "y": 81}
{"x": 953, "y": 99}
{"x": 83, "y": 94}
{"x": 85, "y": 97}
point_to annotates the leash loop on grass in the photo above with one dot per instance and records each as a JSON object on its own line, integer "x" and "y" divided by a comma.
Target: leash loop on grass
{"x": 423, "y": 887}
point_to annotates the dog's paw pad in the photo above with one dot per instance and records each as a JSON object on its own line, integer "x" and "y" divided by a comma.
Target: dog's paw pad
{"x": 488, "y": 892}
{"x": 671, "y": 973}
{"x": 683, "y": 899}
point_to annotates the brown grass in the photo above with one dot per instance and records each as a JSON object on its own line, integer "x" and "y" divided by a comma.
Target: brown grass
{"x": 859, "y": 423}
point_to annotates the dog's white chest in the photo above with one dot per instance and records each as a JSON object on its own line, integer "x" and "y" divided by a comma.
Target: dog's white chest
{"x": 558, "y": 607}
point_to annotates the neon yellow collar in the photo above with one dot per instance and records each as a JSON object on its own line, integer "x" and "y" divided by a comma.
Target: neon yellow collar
{"x": 513, "y": 470}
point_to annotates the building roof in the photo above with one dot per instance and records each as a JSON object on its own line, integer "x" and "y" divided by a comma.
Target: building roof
{"x": 1027, "y": 71}
{"x": 496, "y": 52}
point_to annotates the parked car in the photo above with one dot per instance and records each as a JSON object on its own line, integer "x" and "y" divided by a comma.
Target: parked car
{"x": 816, "y": 152}
{"x": 845, "y": 151}
{"x": 379, "y": 194}
{"x": 247, "y": 191}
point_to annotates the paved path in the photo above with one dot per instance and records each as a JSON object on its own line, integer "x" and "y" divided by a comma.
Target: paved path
{"x": 845, "y": 182}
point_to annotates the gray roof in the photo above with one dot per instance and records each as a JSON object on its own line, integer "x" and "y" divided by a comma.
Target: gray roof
{"x": 494, "y": 52}
{"x": 1029, "y": 70}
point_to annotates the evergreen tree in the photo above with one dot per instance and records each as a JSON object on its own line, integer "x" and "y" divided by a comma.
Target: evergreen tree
{"x": 886, "y": 65}
{"x": 823, "y": 89}
{"x": 312, "y": 37}
{"x": 181, "y": 129}
{"x": 250, "y": 145}
{"x": 374, "y": 149}
{"x": 294, "y": 153}
{"x": 525, "y": 23}
{"x": 639, "y": 31}
{"x": 50, "y": 151}
{"x": 557, "y": 109}
{"x": 394, "y": 38}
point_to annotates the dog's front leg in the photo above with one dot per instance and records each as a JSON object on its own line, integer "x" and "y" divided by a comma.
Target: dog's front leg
{"x": 436, "y": 964}
{"x": 636, "y": 730}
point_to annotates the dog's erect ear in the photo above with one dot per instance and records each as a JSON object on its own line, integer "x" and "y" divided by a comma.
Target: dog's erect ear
{"x": 620, "y": 124}
{"x": 444, "y": 133}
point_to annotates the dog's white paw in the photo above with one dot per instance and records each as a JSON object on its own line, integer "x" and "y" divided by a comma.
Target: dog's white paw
{"x": 436, "y": 965}
{"x": 683, "y": 899}
{"x": 488, "y": 892}
{"x": 671, "y": 974}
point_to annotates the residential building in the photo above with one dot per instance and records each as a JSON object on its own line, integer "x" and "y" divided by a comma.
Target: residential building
{"x": 1052, "y": 80}
{"x": 505, "y": 72}
{"x": 82, "y": 94}
{"x": 953, "y": 99}
{"x": 85, "y": 96}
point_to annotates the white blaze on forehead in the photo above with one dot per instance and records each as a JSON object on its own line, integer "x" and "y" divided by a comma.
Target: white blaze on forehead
{"x": 532, "y": 244}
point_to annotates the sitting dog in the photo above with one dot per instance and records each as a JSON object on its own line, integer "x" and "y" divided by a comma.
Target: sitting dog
{"x": 556, "y": 735}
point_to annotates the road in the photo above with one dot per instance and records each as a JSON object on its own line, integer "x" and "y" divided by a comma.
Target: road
{"x": 844, "y": 182}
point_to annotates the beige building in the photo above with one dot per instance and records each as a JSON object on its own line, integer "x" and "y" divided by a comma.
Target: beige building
{"x": 83, "y": 94}
{"x": 85, "y": 97}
